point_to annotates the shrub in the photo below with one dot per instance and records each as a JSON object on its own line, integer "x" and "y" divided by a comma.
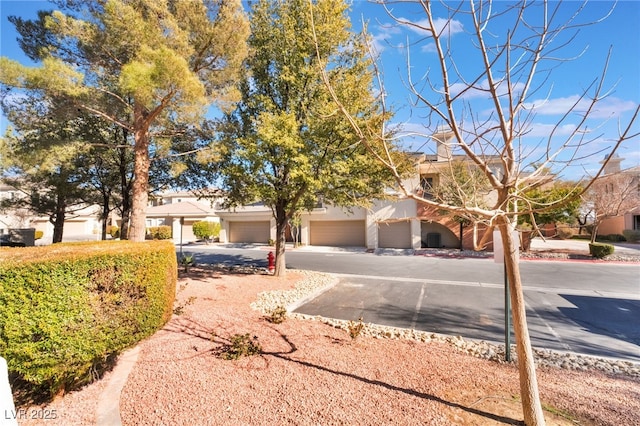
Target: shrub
{"x": 632, "y": 235}
{"x": 241, "y": 345}
{"x": 39, "y": 234}
{"x": 355, "y": 328}
{"x": 565, "y": 232}
{"x": 581, "y": 237}
{"x": 66, "y": 309}
{"x": 159, "y": 232}
{"x": 600, "y": 250}
{"x": 278, "y": 315}
{"x": 204, "y": 230}
{"x": 179, "y": 310}
{"x": 187, "y": 260}
{"x": 114, "y": 231}
{"x": 612, "y": 237}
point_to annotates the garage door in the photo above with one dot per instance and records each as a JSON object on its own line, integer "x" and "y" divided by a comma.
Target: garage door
{"x": 187, "y": 231}
{"x": 394, "y": 235}
{"x": 249, "y": 232}
{"x": 341, "y": 233}
{"x": 75, "y": 228}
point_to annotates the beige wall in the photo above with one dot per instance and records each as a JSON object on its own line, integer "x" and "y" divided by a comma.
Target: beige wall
{"x": 614, "y": 225}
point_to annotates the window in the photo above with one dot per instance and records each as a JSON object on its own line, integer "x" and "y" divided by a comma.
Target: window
{"x": 636, "y": 221}
{"x": 426, "y": 184}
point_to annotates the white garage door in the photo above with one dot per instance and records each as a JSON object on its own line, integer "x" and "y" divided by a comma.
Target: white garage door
{"x": 249, "y": 232}
{"x": 187, "y": 231}
{"x": 394, "y": 235}
{"x": 340, "y": 233}
{"x": 75, "y": 228}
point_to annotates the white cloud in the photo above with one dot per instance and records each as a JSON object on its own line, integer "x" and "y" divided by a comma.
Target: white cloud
{"x": 606, "y": 108}
{"x": 444, "y": 27}
{"x": 429, "y": 48}
{"x": 382, "y": 39}
{"x": 540, "y": 130}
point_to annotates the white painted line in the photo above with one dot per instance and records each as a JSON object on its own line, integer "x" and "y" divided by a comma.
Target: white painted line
{"x": 414, "y": 320}
{"x": 546, "y": 324}
{"x": 539, "y": 289}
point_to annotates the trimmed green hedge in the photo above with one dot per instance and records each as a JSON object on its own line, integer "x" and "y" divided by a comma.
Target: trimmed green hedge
{"x": 159, "y": 232}
{"x": 600, "y": 250}
{"x": 66, "y": 309}
{"x": 204, "y": 230}
{"x": 631, "y": 235}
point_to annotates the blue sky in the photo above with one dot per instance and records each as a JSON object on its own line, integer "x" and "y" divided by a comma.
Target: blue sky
{"x": 396, "y": 43}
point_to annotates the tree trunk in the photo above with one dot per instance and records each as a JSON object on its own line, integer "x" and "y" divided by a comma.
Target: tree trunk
{"x": 281, "y": 226}
{"x": 137, "y": 229}
{"x": 531, "y": 406}
{"x": 58, "y": 219}
{"x": 126, "y": 195}
{"x": 594, "y": 231}
{"x": 105, "y": 214}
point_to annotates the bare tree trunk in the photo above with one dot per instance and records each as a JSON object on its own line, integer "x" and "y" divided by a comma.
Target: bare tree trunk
{"x": 141, "y": 164}
{"x": 281, "y": 226}
{"x": 594, "y": 231}
{"x": 531, "y": 406}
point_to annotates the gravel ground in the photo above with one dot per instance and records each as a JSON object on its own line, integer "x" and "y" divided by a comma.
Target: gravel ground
{"x": 310, "y": 371}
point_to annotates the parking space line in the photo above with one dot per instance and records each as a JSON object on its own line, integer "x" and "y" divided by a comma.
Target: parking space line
{"x": 540, "y": 289}
{"x": 414, "y": 320}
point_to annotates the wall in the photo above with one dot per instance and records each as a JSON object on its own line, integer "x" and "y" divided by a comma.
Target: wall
{"x": 614, "y": 225}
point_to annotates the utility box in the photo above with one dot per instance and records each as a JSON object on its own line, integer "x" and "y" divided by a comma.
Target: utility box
{"x": 433, "y": 240}
{"x": 26, "y": 236}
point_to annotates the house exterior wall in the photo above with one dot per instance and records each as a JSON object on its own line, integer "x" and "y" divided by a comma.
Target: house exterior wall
{"x": 612, "y": 225}
{"x": 629, "y": 179}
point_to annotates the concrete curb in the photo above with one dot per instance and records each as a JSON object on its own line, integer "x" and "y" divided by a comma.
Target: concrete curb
{"x": 108, "y": 411}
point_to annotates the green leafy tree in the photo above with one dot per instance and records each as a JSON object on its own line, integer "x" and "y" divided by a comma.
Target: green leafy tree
{"x": 536, "y": 202}
{"x": 284, "y": 144}
{"x": 204, "y": 230}
{"x": 144, "y": 65}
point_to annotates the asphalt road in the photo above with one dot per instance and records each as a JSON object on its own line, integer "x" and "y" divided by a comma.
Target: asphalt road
{"x": 579, "y": 307}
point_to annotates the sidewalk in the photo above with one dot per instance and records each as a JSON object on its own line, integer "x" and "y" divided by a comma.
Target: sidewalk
{"x": 538, "y": 244}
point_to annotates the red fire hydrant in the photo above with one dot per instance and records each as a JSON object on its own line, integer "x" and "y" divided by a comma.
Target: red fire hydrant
{"x": 272, "y": 262}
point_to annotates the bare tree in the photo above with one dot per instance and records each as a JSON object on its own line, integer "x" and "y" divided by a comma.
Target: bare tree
{"x": 511, "y": 52}
{"x": 611, "y": 196}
